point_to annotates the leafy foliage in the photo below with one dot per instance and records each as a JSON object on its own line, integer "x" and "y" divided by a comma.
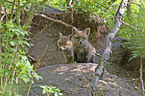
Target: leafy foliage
{"x": 14, "y": 63}
{"x": 97, "y": 8}
{"x": 136, "y": 36}
{"x": 51, "y": 90}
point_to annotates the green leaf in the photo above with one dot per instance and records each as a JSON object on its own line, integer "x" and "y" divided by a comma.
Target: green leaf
{"x": 13, "y": 43}
{"x": 43, "y": 92}
{"x": 37, "y": 76}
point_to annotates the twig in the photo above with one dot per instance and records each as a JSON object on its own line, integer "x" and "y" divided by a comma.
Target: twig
{"x": 2, "y": 18}
{"x": 128, "y": 24}
{"x": 36, "y": 68}
{"x": 18, "y": 13}
{"x": 72, "y": 15}
{"x": 136, "y": 4}
{"x": 141, "y": 79}
{"x": 12, "y": 10}
{"x": 12, "y": 2}
{"x": 70, "y": 2}
{"x": 58, "y": 21}
{"x": 98, "y": 55}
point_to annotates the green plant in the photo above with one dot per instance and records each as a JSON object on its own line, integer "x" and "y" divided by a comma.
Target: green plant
{"x": 136, "y": 42}
{"x": 97, "y": 8}
{"x": 14, "y": 65}
{"x": 51, "y": 90}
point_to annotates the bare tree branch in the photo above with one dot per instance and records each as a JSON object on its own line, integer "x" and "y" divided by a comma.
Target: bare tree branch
{"x": 128, "y": 25}
{"x": 58, "y": 21}
{"x": 141, "y": 79}
{"x": 107, "y": 51}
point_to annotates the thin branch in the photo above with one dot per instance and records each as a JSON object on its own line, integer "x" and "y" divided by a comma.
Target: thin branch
{"x": 31, "y": 14}
{"x": 70, "y": 2}
{"x": 2, "y": 18}
{"x": 18, "y": 13}
{"x": 58, "y": 21}
{"x": 141, "y": 79}
{"x": 100, "y": 68}
{"x": 36, "y": 68}
{"x": 12, "y": 2}
{"x": 136, "y": 4}
{"x": 0, "y": 7}
{"x": 128, "y": 24}
{"x": 41, "y": 3}
{"x": 71, "y": 15}
{"x": 1, "y": 78}
{"x": 12, "y": 10}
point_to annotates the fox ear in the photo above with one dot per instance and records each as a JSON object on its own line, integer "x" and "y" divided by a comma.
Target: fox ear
{"x": 70, "y": 37}
{"x": 74, "y": 31}
{"x": 60, "y": 34}
{"x": 87, "y": 31}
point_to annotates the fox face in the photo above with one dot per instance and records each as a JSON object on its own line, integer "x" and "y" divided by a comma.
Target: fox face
{"x": 83, "y": 50}
{"x": 81, "y": 37}
{"x": 64, "y": 42}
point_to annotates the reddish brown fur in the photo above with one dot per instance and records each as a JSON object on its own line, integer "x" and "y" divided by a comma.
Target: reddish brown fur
{"x": 84, "y": 51}
{"x": 65, "y": 44}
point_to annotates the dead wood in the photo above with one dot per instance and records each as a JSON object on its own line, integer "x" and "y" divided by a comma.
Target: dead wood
{"x": 107, "y": 51}
{"x": 58, "y": 21}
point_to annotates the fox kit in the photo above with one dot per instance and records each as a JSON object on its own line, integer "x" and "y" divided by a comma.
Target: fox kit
{"x": 65, "y": 44}
{"x": 83, "y": 50}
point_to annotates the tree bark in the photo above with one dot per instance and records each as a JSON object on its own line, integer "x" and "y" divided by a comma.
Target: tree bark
{"x": 107, "y": 51}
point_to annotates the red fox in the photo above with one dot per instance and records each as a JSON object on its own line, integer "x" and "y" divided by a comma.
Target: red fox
{"x": 65, "y": 44}
{"x": 83, "y": 50}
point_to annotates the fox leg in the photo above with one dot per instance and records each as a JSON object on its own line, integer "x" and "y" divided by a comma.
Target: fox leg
{"x": 70, "y": 59}
{"x": 90, "y": 58}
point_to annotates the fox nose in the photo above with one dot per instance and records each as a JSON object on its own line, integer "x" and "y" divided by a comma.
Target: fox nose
{"x": 62, "y": 48}
{"x": 81, "y": 42}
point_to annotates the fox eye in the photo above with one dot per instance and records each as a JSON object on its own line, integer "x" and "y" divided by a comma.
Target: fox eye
{"x": 60, "y": 44}
{"x": 65, "y": 44}
{"x": 84, "y": 38}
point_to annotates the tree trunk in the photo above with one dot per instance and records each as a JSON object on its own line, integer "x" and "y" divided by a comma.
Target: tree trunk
{"x": 107, "y": 51}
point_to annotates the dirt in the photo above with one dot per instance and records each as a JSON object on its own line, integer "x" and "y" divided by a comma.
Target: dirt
{"x": 74, "y": 79}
